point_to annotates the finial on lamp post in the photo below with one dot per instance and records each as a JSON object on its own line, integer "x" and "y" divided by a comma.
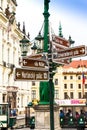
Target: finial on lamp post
{"x": 60, "y": 30}
{"x": 71, "y": 41}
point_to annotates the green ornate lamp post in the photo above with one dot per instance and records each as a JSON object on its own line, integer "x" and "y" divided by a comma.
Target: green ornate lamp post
{"x": 47, "y": 88}
{"x": 48, "y": 48}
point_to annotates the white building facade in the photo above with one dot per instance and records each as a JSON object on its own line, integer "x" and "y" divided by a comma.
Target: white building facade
{"x": 17, "y": 93}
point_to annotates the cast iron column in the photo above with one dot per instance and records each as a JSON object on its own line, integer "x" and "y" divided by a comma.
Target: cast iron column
{"x": 46, "y": 25}
{"x": 47, "y": 48}
{"x": 51, "y": 87}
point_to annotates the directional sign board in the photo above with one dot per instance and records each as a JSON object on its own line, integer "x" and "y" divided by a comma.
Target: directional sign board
{"x": 71, "y": 52}
{"x": 61, "y": 61}
{"x": 36, "y": 56}
{"x": 31, "y": 62}
{"x": 31, "y": 75}
{"x": 60, "y": 42}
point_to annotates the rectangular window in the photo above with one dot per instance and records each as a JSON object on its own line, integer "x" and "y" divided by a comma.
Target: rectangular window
{"x": 33, "y": 83}
{"x": 79, "y": 86}
{"x": 65, "y": 86}
{"x": 86, "y": 95}
{"x": 71, "y": 95}
{"x": 71, "y": 77}
{"x": 71, "y": 86}
{"x": 65, "y": 77}
{"x": 33, "y": 94}
{"x": 65, "y": 95}
{"x": 79, "y": 77}
{"x": 85, "y": 86}
{"x": 79, "y": 95}
{"x": 56, "y": 82}
{"x": 56, "y": 94}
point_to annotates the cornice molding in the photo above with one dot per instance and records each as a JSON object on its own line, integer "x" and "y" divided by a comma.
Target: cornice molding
{"x": 3, "y": 17}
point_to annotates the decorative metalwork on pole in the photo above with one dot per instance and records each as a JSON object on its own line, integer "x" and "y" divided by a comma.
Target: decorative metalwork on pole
{"x": 51, "y": 85}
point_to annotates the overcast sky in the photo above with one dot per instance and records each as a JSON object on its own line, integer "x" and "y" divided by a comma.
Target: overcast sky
{"x": 71, "y": 13}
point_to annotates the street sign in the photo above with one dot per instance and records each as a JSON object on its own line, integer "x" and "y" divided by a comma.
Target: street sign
{"x": 62, "y": 61}
{"x": 71, "y": 52}
{"x": 31, "y": 75}
{"x": 60, "y": 41}
{"x": 59, "y": 44}
{"x": 31, "y": 62}
{"x": 37, "y": 56}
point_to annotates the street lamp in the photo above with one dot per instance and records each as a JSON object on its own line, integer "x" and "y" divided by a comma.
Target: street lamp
{"x": 39, "y": 39}
{"x": 24, "y": 44}
{"x": 47, "y": 48}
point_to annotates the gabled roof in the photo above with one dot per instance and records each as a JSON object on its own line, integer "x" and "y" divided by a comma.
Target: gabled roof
{"x": 77, "y": 64}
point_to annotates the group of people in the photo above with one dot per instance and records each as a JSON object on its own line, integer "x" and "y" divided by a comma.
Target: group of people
{"x": 75, "y": 114}
{"x": 73, "y": 119}
{"x": 13, "y": 112}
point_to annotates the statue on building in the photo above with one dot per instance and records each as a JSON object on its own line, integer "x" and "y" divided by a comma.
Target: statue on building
{"x": 12, "y": 17}
{"x": 7, "y": 12}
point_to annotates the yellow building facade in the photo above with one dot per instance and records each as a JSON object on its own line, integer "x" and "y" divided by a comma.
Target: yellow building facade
{"x": 68, "y": 80}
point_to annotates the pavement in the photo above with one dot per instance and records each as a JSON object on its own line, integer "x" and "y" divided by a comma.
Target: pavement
{"x": 21, "y": 116}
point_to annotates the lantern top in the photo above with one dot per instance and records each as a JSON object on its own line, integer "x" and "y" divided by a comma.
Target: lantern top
{"x": 39, "y": 37}
{"x": 24, "y": 40}
{"x": 34, "y": 47}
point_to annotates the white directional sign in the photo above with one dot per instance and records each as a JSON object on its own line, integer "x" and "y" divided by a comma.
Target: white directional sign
{"x": 31, "y": 75}
{"x": 71, "y": 52}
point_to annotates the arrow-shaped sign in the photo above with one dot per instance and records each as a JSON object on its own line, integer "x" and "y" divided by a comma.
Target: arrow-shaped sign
{"x": 31, "y": 75}
{"x": 71, "y": 52}
{"x": 18, "y": 74}
{"x": 32, "y": 62}
{"x": 24, "y": 62}
{"x": 62, "y": 61}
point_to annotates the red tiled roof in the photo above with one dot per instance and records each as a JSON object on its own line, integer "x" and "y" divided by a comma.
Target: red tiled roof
{"x": 76, "y": 64}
